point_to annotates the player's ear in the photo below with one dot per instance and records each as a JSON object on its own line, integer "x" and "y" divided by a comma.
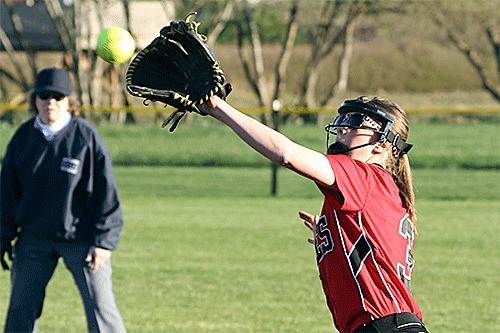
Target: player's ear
{"x": 381, "y": 147}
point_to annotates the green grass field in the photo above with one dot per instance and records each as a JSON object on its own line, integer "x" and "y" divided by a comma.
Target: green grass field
{"x": 206, "y": 249}
{"x": 438, "y": 143}
{"x": 217, "y": 254}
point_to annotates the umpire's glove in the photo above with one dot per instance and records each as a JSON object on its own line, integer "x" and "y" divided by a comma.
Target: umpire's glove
{"x": 5, "y": 247}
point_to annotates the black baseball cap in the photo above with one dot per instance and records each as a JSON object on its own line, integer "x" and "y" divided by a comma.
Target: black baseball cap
{"x": 53, "y": 80}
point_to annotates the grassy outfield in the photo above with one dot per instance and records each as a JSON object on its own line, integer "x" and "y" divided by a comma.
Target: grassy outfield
{"x": 208, "y": 250}
{"x": 470, "y": 144}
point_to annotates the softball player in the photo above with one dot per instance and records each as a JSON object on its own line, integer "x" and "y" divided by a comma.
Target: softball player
{"x": 364, "y": 235}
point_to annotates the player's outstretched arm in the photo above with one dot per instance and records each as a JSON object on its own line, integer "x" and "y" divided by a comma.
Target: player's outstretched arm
{"x": 272, "y": 144}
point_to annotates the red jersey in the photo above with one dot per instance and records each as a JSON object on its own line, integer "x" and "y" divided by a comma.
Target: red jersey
{"x": 364, "y": 245}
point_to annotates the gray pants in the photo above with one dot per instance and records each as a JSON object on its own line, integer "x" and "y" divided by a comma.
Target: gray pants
{"x": 34, "y": 263}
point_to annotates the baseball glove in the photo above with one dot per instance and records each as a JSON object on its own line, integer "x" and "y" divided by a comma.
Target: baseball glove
{"x": 179, "y": 69}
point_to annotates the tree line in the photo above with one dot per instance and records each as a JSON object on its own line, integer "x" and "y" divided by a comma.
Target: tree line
{"x": 327, "y": 28}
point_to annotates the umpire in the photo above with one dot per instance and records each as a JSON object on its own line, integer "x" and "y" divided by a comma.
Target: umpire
{"x": 58, "y": 200}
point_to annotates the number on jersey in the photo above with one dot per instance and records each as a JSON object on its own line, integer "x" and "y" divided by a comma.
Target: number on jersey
{"x": 405, "y": 269}
{"x": 323, "y": 240}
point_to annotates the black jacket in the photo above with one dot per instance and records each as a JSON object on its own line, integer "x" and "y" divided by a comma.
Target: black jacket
{"x": 63, "y": 189}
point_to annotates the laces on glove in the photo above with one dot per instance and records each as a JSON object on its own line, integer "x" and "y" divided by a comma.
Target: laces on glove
{"x": 176, "y": 117}
{"x": 178, "y": 114}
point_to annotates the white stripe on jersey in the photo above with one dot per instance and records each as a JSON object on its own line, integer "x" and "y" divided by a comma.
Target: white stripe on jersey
{"x": 348, "y": 261}
{"x": 394, "y": 300}
{"x": 346, "y": 254}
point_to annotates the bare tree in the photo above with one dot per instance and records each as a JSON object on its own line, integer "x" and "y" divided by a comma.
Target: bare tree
{"x": 286, "y": 51}
{"x": 214, "y": 14}
{"x": 450, "y": 16}
{"x": 253, "y": 65}
{"x": 329, "y": 30}
{"x": 343, "y": 65}
{"x": 221, "y": 20}
{"x": 120, "y": 96}
{"x": 252, "y": 58}
{"x": 75, "y": 23}
{"x": 335, "y": 29}
{"x": 94, "y": 82}
{"x": 17, "y": 76}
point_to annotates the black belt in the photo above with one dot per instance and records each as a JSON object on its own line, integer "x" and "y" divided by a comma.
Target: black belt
{"x": 399, "y": 322}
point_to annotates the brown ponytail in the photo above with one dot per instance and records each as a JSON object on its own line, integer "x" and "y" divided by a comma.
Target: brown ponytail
{"x": 402, "y": 174}
{"x": 399, "y": 167}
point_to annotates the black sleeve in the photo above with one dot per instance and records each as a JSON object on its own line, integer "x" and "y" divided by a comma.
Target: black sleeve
{"x": 108, "y": 218}
{"x": 10, "y": 192}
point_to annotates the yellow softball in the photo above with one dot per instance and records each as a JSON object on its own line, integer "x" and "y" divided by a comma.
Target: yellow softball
{"x": 115, "y": 45}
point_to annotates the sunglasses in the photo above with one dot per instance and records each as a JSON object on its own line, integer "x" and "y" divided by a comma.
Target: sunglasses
{"x": 50, "y": 95}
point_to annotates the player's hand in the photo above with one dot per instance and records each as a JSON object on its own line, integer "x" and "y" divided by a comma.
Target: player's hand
{"x": 5, "y": 248}
{"x": 210, "y": 106}
{"x": 310, "y": 221}
{"x": 97, "y": 257}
